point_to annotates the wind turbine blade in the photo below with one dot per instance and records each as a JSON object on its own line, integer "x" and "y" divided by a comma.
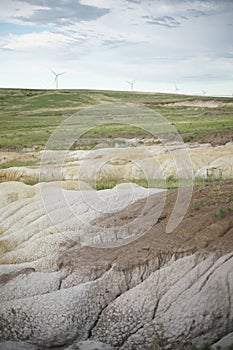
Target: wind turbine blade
{"x": 52, "y": 71}
{"x": 61, "y": 73}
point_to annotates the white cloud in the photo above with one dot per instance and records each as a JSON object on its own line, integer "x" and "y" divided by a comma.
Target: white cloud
{"x": 32, "y": 41}
{"x": 11, "y": 10}
{"x": 152, "y": 41}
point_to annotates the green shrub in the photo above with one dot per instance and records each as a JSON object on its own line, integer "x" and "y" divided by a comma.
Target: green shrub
{"x": 221, "y": 213}
{"x": 196, "y": 206}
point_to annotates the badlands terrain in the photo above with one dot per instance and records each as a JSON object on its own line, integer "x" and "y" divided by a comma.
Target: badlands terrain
{"x": 124, "y": 239}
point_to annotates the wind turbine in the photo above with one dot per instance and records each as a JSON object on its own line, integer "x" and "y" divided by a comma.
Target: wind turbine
{"x": 56, "y": 77}
{"x": 131, "y": 83}
{"x": 203, "y": 92}
{"x": 176, "y": 87}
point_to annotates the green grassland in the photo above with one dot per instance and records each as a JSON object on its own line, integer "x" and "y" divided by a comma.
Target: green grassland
{"x": 29, "y": 117}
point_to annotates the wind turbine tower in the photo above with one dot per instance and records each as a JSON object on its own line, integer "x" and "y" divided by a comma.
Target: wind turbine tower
{"x": 56, "y": 77}
{"x": 176, "y": 87}
{"x": 203, "y": 92}
{"x": 131, "y": 83}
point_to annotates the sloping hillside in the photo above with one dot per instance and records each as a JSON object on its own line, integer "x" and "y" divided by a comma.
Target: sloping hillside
{"x": 28, "y": 117}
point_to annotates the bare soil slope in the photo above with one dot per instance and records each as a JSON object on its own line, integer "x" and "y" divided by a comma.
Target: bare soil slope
{"x": 207, "y": 227}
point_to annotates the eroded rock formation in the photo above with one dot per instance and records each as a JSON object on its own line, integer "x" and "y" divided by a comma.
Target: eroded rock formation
{"x": 155, "y": 161}
{"x": 158, "y": 291}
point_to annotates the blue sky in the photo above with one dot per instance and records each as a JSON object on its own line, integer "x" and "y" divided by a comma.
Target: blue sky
{"x": 101, "y": 44}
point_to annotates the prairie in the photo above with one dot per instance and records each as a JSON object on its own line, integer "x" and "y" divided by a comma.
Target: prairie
{"x": 29, "y": 117}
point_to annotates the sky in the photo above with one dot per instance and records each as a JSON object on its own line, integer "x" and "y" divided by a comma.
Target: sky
{"x": 182, "y": 46}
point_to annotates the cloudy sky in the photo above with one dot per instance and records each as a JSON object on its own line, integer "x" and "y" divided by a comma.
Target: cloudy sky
{"x": 101, "y": 44}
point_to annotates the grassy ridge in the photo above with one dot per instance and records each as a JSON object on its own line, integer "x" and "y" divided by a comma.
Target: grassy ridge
{"x": 28, "y": 117}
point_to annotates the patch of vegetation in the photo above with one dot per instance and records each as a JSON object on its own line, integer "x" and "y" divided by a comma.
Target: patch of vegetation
{"x": 31, "y": 182}
{"x": 196, "y": 206}
{"x": 18, "y": 164}
{"x": 229, "y": 200}
{"x": 203, "y": 182}
{"x": 105, "y": 185}
{"x": 221, "y": 213}
{"x": 28, "y": 117}
{"x": 109, "y": 183}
